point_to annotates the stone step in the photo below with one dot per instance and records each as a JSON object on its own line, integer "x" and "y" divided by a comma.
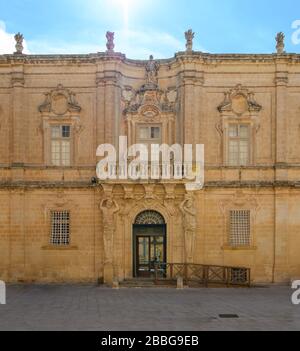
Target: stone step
{"x": 143, "y": 283}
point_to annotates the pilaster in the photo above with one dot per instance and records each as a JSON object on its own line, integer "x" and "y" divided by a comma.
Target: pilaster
{"x": 281, "y": 82}
{"x": 191, "y": 82}
{"x": 19, "y": 131}
{"x": 108, "y": 115}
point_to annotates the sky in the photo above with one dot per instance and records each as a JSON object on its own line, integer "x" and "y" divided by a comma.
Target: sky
{"x": 145, "y": 27}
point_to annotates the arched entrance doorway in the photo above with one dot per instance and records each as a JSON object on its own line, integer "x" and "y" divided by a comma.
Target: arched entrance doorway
{"x": 149, "y": 243}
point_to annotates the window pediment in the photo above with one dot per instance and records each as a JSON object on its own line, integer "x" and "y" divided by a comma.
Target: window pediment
{"x": 239, "y": 101}
{"x": 59, "y": 102}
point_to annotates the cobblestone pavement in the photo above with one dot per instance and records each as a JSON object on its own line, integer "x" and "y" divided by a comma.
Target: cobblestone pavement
{"x": 102, "y": 309}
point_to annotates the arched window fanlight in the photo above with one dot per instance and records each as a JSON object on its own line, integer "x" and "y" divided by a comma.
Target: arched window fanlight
{"x": 150, "y": 218}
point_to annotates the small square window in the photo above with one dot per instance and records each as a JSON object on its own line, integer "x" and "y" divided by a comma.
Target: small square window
{"x": 244, "y": 131}
{"x": 233, "y": 131}
{"x": 66, "y": 131}
{"x": 55, "y": 132}
{"x": 144, "y": 133}
{"x": 155, "y": 132}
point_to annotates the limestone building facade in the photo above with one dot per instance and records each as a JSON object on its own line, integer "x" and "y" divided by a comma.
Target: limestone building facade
{"x": 57, "y": 224}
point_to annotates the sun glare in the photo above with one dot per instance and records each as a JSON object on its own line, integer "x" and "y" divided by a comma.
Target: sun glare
{"x": 124, "y": 6}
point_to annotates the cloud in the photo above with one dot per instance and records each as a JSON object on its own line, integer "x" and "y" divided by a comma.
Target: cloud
{"x": 7, "y": 41}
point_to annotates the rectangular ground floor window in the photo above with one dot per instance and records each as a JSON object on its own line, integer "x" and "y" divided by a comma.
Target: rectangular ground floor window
{"x": 60, "y": 228}
{"x": 240, "y": 234}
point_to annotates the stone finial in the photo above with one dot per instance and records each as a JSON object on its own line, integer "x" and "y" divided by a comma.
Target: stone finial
{"x": 110, "y": 36}
{"x": 189, "y": 36}
{"x": 19, "y": 43}
{"x": 280, "y": 43}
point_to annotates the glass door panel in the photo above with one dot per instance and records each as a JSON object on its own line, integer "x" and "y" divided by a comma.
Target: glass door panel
{"x": 150, "y": 249}
{"x": 157, "y": 249}
{"x": 143, "y": 254}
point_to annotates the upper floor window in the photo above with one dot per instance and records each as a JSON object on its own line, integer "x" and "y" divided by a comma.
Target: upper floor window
{"x": 149, "y": 134}
{"x": 238, "y": 144}
{"x": 61, "y": 146}
{"x": 60, "y": 228}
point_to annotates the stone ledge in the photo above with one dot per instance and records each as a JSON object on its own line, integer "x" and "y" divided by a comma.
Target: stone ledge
{"x": 89, "y": 185}
{"x": 240, "y": 248}
{"x": 59, "y": 248}
{"x": 93, "y": 58}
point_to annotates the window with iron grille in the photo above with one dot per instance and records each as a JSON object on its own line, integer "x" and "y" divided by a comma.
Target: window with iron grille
{"x": 240, "y": 233}
{"x": 239, "y": 276}
{"x": 60, "y": 228}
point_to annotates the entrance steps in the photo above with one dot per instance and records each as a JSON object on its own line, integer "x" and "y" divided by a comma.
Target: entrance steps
{"x": 146, "y": 283}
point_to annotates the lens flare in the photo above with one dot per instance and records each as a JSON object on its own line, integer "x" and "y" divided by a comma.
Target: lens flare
{"x": 124, "y": 7}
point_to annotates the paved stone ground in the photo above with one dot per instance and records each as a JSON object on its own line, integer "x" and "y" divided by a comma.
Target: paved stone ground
{"x": 101, "y": 309}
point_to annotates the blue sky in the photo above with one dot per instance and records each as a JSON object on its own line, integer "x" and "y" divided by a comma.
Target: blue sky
{"x": 145, "y": 27}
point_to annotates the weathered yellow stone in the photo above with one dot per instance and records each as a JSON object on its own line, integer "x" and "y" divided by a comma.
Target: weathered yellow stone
{"x": 195, "y": 85}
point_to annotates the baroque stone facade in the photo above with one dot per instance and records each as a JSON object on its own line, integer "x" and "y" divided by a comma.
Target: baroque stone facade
{"x": 195, "y": 98}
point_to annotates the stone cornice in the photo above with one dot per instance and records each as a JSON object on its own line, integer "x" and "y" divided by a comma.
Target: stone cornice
{"x": 252, "y": 184}
{"x": 180, "y": 57}
{"x": 27, "y": 185}
{"x": 207, "y": 167}
{"x": 45, "y": 185}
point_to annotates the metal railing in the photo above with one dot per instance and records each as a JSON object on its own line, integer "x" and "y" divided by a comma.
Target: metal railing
{"x": 203, "y": 274}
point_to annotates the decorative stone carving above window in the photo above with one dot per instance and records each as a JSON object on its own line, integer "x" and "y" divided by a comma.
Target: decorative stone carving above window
{"x": 239, "y": 101}
{"x": 150, "y": 218}
{"x": 150, "y": 105}
{"x": 60, "y": 109}
{"x": 239, "y": 108}
{"x": 60, "y": 101}
{"x": 165, "y": 101}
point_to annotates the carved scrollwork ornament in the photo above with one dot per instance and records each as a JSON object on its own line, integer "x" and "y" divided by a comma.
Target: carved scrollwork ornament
{"x": 60, "y": 101}
{"x": 239, "y": 101}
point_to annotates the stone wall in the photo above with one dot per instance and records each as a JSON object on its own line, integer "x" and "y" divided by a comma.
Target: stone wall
{"x": 98, "y": 89}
